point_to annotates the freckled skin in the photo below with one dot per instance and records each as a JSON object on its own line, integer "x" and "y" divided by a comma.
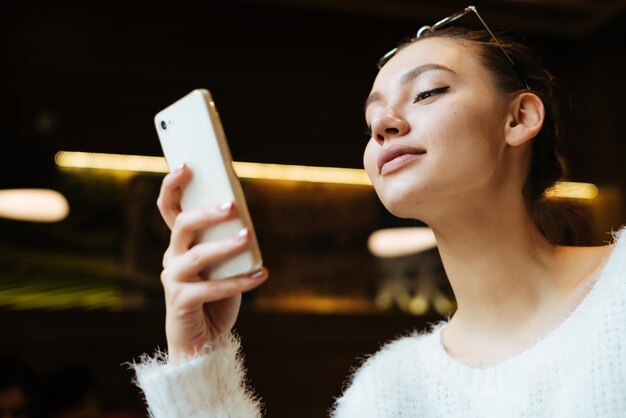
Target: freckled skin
{"x": 462, "y": 130}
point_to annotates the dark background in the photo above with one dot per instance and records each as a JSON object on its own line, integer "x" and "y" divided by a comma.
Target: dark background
{"x": 289, "y": 78}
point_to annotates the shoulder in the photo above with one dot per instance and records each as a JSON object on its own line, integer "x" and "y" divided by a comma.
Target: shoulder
{"x": 582, "y": 264}
{"x": 394, "y": 358}
{"x": 619, "y": 244}
{"x": 397, "y": 352}
{"x": 381, "y": 376}
{"x": 606, "y": 289}
{"x": 614, "y": 262}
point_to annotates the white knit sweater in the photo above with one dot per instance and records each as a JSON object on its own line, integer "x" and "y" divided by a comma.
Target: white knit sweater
{"x": 576, "y": 370}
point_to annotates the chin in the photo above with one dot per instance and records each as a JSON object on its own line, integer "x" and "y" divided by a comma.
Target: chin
{"x": 404, "y": 210}
{"x": 402, "y": 200}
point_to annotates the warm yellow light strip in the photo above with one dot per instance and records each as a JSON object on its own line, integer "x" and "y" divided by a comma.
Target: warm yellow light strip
{"x": 301, "y": 173}
{"x": 110, "y": 161}
{"x": 246, "y": 170}
{"x": 572, "y": 190}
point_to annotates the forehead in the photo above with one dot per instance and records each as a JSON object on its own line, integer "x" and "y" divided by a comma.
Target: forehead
{"x": 454, "y": 54}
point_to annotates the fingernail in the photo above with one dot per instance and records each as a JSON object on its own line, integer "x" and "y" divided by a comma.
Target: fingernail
{"x": 225, "y": 207}
{"x": 241, "y": 235}
{"x": 180, "y": 168}
{"x": 257, "y": 275}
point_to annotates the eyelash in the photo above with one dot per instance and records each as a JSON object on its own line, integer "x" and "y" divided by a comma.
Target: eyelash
{"x": 428, "y": 93}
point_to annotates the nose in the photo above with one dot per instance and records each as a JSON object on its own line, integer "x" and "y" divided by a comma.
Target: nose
{"x": 389, "y": 125}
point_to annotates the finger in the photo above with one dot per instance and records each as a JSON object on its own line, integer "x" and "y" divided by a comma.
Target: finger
{"x": 187, "y": 225}
{"x": 170, "y": 194}
{"x": 212, "y": 290}
{"x": 208, "y": 254}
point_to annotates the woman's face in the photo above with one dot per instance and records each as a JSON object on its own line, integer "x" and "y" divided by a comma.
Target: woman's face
{"x": 437, "y": 129}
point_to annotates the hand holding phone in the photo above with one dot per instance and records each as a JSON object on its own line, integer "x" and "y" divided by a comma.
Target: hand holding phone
{"x": 205, "y": 235}
{"x": 190, "y": 132}
{"x": 198, "y": 311}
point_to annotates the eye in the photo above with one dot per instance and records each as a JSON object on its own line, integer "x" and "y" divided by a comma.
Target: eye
{"x": 428, "y": 93}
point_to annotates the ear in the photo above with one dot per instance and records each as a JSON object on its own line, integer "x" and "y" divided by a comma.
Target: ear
{"x": 524, "y": 119}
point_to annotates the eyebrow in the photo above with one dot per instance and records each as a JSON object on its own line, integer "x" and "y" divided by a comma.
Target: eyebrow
{"x": 408, "y": 77}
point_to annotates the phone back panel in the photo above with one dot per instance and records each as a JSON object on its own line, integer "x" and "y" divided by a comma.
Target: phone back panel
{"x": 194, "y": 135}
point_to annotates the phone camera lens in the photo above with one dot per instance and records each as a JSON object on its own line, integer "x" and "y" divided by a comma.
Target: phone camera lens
{"x": 163, "y": 125}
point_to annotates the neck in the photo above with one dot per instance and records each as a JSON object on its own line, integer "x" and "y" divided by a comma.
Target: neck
{"x": 501, "y": 269}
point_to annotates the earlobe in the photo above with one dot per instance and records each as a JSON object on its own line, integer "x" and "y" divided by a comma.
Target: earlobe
{"x": 525, "y": 119}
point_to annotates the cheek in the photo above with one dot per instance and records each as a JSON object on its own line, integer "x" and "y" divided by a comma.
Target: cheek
{"x": 461, "y": 155}
{"x": 462, "y": 141}
{"x": 472, "y": 151}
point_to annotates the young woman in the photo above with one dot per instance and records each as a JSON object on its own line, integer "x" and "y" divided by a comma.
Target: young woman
{"x": 464, "y": 137}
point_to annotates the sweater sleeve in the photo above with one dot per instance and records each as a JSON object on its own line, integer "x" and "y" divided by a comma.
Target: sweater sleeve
{"x": 210, "y": 384}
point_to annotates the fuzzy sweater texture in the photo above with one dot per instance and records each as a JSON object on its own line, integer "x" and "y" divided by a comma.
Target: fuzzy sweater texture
{"x": 576, "y": 370}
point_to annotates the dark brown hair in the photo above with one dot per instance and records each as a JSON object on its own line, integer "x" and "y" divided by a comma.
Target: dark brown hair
{"x": 553, "y": 219}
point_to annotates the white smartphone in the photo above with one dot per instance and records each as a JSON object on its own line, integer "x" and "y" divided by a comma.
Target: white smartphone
{"x": 190, "y": 132}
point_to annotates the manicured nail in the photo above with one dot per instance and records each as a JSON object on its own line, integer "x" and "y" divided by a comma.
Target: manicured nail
{"x": 257, "y": 275}
{"x": 241, "y": 235}
{"x": 180, "y": 168}
{"x": 225, "y": 207}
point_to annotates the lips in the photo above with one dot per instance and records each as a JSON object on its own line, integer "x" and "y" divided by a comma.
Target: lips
{"x": 397, "y": 151}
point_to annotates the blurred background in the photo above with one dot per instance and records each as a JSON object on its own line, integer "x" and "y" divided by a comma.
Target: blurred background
{"x": 79, "y": 268}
